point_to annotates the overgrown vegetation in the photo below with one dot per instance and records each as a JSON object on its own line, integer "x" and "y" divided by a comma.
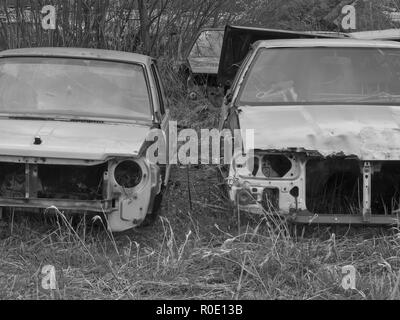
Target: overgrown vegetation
{"x": 205, "y": 253}
{"x": 197, "y": 250}
{"x": 168, "y": 27}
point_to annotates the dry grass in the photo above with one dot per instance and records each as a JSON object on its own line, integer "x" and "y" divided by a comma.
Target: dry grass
{"x": 195, "y": 255}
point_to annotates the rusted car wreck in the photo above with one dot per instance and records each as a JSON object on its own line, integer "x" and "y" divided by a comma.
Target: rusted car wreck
{"x": 73, "y": 124}
{"x": 326, "y": 115}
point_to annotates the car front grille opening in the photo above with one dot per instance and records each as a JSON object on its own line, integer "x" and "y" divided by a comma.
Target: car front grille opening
{"x": 334, "y": 186}
{"x": 12, "y": 180}
{"x": 71, "y": 182}
{"x": 52, "y": 181}
{"x": 385, "y": 198}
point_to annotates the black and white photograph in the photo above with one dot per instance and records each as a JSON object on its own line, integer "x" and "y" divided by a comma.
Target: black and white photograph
{"x": 199, "y": 154}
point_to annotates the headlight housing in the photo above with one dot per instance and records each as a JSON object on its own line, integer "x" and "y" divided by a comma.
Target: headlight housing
{"x": 128, "y": 174}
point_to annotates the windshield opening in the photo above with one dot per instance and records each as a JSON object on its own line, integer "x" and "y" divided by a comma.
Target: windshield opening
{"x": 46, "y": 86}
{"x": 323, "y": 76}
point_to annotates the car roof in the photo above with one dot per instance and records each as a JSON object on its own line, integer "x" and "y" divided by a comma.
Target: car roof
{"x": 343, "y": 42}
{"x": 388, "y": 34}
{"x": 78, "y": 53}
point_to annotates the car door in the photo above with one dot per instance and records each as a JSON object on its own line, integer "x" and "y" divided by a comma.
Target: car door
{"x": 163, "y": 115}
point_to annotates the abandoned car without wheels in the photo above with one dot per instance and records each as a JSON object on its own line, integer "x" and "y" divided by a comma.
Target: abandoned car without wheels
{"x": 73, "y": 125}
{"x": 326, "y": 120}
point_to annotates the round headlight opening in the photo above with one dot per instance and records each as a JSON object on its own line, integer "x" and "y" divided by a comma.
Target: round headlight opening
{"x": 128, "y": 174}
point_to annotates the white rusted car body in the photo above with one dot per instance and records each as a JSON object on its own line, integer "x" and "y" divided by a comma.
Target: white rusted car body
{"x": 73, "y": 125}
{"x": 327, "y": 144}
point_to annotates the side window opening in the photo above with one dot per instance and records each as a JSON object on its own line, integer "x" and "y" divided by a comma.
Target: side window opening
{"x": 160, "y": 92}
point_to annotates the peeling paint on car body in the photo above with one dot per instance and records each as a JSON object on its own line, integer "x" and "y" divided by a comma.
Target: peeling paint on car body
{"x": 368, "y": 132}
